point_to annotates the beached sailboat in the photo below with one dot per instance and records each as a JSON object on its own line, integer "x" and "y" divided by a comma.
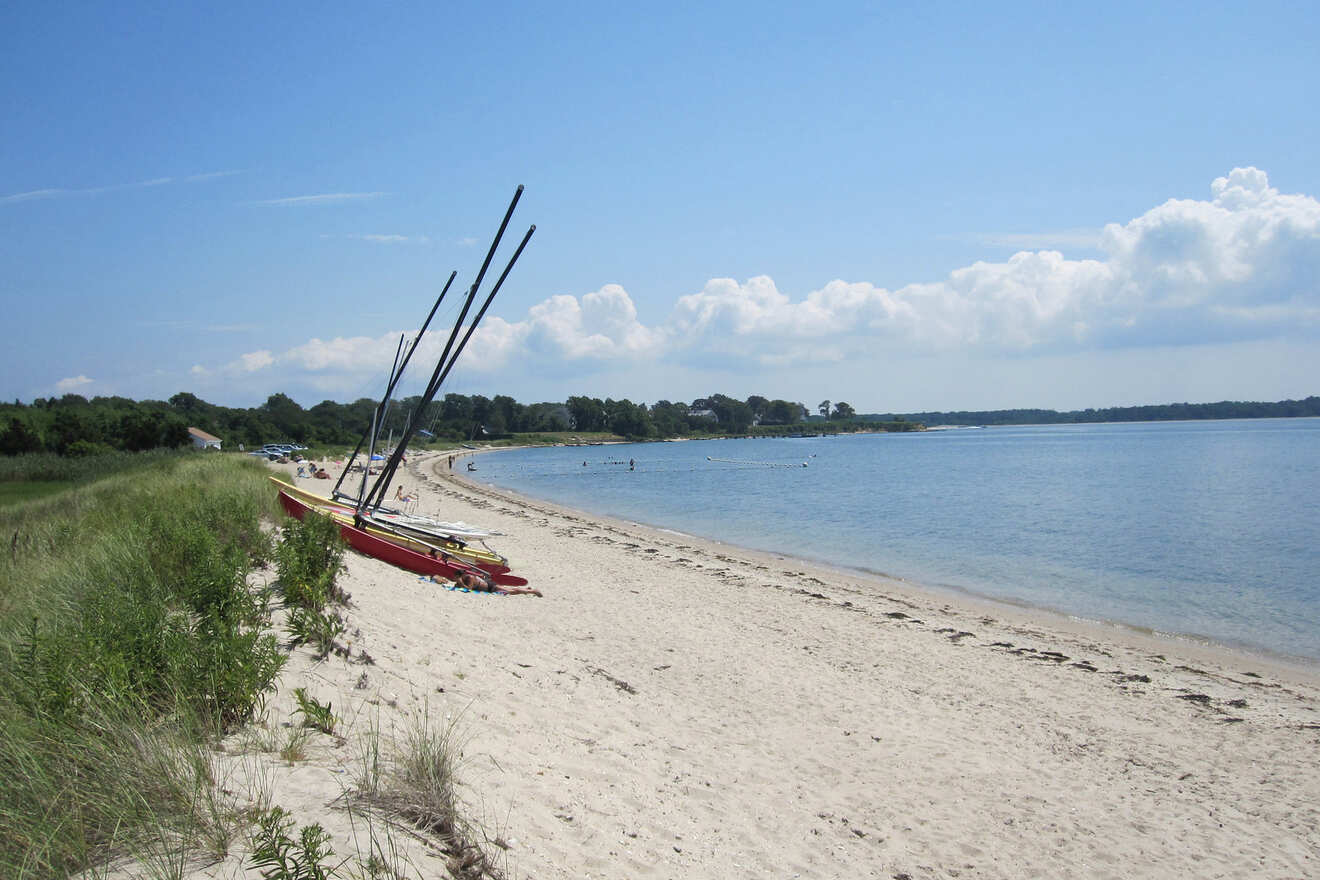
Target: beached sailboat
{"x": 414, "y": 542}
{"x": 371, "y": 543}
{"x": 400, "y": 528}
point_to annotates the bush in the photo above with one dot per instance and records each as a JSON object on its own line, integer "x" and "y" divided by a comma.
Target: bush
{"x": 308, "y": 559}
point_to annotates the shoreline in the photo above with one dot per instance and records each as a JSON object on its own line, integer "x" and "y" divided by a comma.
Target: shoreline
{"x": 676, "y": 707}
{"x": 1203, "y": 647}
{"x": 783, "y": 717}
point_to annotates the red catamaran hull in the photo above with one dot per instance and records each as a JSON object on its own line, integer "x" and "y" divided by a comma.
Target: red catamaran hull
{"x": 385, "y": 551}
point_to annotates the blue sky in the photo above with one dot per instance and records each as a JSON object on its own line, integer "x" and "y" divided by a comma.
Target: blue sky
{"x": 936, "y": 206}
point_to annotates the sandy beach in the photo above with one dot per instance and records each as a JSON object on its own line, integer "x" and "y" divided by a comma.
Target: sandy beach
{"x": 680, "y": 708}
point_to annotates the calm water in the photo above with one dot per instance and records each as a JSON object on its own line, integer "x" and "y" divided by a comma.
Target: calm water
{"x": 1203, "y": 528}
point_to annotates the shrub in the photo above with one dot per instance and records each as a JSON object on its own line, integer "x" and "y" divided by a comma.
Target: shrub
{"x": 280, "y": 857}
{"x": 308, "y": 559}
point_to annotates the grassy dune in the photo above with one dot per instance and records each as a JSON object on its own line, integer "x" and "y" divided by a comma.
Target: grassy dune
{"x": 128, "y": 636}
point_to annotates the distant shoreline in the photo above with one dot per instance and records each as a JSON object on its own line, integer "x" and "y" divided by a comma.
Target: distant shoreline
{"x": 1148, "y": 638}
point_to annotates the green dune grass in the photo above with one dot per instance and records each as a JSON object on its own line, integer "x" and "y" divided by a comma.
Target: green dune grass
{"x": 129, "y": 636}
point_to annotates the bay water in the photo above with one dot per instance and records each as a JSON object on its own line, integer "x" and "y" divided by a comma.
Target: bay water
{"x": 1204, "y": 529}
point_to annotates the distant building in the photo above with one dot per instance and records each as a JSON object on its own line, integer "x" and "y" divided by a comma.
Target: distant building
{"x": 703, "y": 414}
{"x": 203, "y": 440}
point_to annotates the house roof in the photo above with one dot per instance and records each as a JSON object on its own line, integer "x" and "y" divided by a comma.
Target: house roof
{"x": 202, "y": 435}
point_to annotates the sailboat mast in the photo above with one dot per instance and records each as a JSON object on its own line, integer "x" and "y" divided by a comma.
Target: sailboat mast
{"x": 394, "y": 379}
{"x": 446, "y": 362}
{"x": 393, "y": 463}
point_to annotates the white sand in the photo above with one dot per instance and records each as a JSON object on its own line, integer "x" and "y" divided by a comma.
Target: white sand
{"x": 679, "y": 708}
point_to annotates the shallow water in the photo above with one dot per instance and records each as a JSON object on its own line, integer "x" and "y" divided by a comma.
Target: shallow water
{"x": 1210, "y": 529}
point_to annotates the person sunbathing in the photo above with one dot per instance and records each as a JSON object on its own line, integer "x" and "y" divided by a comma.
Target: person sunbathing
{"x": 478, "y": 582}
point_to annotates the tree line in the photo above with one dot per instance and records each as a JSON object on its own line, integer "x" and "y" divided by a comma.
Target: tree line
{"x": 1224, "y": 409}
{"x": 73, "y": 425}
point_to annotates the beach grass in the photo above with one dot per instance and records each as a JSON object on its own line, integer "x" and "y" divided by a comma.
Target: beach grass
{"x": 419, "y": 787}
{"x": 13, "y": 493}
{"x": 130, "y": 638}
{"x": 49, "y": 467}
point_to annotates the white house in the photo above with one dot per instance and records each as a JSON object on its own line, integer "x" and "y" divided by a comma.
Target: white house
{"x": 203, "y": 440}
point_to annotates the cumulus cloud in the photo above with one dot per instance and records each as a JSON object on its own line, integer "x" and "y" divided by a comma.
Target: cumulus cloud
{"x": 600, "y": 326}
{"x": 331, "y": 363}
{"x": 253, "y": 361}
{"x": 71, "y": 384}
{"x": 343, "y": 354}
{"x": 1240, "y": 266}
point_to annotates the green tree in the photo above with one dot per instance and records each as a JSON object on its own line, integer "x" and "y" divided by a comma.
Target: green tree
{"x": 19, "y": 438}
{"x": 287, "y": 416}
{"x": 69, "y": 426}
{"x": 734, "y": 415}
{"x": 842, "y": 411}
{"x": 783, "y": 412}
{"x": 506, "y": 414}
{"x": 546, "y": 417}
{"x": 140, "y": 430}
{"x": 669, "y": 419}
{"x": 824, "y": 409}
{"x": 588, "y": 413}
{"x": 627, "y": 418}
{"x": 456, "y": 408}
{"x": 482, "y": 410}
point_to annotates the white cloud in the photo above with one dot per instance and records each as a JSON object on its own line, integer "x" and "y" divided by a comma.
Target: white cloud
{"x": 351, "y": 354}
{"x": 601, "y": 326}
{"x": 199, "y": 370}
{"x": 1241, "y": 266}
{"x": 253, "y": 361}
{"x": 72, "y": 383}
{"x": 210, "y": 175}
{"x": 33, "y": 195}
{"x": 320, "y": 199}
{"x": 376, "y": 238}
{"x": 61, "y": 192}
